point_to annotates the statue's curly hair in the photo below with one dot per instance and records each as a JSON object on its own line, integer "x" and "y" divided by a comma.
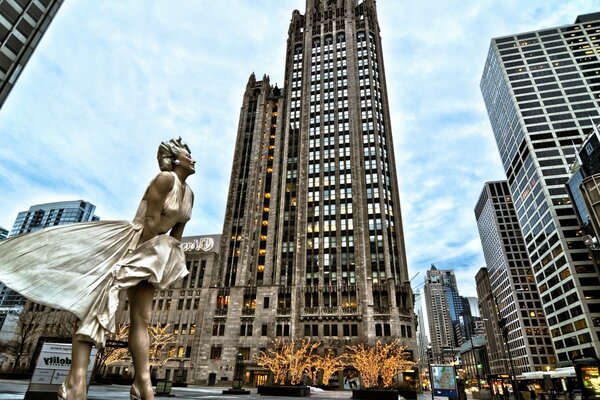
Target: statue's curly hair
{"x": 168, "y": 153}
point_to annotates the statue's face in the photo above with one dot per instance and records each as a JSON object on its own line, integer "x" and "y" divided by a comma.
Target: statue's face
{"x": 186, "y": 161}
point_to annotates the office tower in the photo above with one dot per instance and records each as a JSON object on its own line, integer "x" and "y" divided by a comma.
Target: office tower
{"x": 513, "y": 286}
{"x": 38, "y": 217}
{"x": 22, "y": 25}
{"x": 496, "y": 349}
{"x": 422, "y": 338}
{"x": 3, "y": 233}
{"x": 46, "y": 215}
{"x": 439, "y": 288}
{"x": 586, "y": 168}
{"x": 540, "y": 90}
{"x": 312, "y": 243}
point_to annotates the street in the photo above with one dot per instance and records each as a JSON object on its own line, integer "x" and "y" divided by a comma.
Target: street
{"x": 15, "y": 390}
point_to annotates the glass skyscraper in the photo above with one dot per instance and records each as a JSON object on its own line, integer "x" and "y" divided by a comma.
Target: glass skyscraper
{"x": 542, "y": 92}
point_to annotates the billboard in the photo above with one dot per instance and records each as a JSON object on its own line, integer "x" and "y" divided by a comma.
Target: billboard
{"x": 444, "y": 381}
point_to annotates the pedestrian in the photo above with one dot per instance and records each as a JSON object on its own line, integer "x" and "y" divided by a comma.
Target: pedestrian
{"x": 82, "y": 267}
{"x": 505, "y": 392}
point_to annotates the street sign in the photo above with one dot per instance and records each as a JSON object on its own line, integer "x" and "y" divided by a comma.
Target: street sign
{"x": 116, "y": 343}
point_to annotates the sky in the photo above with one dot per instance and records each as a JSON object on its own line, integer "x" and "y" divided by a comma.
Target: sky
{"x": 112, "y": 79}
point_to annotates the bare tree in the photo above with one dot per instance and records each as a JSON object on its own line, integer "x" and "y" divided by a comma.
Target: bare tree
{"x": 27, "y": 329}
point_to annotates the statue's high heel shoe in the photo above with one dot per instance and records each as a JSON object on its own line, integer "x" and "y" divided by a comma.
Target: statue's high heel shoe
{"x": 134, "y": 393}
{"x": 62, "y": 392}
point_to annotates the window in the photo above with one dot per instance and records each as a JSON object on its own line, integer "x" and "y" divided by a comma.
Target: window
{"x": 246, "y": 329}
{"x": 245, "y": 352}
{"x": 263, "y": 330}
{"x": 215, "y": 352}
{"x": 218, "y": 329}
{"x": 282, "y": 330}
{"x": 266, "y": 302}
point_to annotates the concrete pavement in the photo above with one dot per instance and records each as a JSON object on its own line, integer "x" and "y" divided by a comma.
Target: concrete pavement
{"x": 15, "y": 390}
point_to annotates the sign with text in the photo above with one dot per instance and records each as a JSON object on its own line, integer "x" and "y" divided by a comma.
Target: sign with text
{"x": 54, "y": 362}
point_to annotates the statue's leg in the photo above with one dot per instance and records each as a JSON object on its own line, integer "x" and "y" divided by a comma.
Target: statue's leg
{"x": 75, "y": 383}
{"x": 140, "y": 312}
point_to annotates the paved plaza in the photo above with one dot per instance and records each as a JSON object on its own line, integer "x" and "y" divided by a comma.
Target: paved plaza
{"x": 15, "y": 390}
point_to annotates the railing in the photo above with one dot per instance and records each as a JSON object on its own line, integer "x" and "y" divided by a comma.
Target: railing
{"x": 284, "y": 311}
{"x": 381, "y": 310}
{"x": 329, "y": 311}
{"x": 220, "y": 312}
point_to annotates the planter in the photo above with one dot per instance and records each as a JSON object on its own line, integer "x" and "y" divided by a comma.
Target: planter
{"x": 409, "y": 394}
{"x": 375, "y": 394}
{"x": 289, "y": 391}
{"x": 328, "y": 387}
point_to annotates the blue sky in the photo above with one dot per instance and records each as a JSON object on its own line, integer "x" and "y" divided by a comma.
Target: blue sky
{"x": 111, "y": 79}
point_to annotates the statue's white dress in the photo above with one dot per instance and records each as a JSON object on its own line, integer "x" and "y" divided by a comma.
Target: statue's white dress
{"x": 82, "y": 267}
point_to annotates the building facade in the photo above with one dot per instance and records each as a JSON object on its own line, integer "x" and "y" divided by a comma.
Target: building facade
{"x": 440, "y": 309}
{"x": 3, "y": 233}
{"x": 496, "y": 349}
{"x": 313, "y": 220}
{"x": 514, "y": 289}
{"x": 22, "y": 25}
{"x": 541, "y": 92}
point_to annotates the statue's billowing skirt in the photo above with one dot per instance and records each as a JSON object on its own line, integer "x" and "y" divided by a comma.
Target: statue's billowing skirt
{"x": 82, "y": 267}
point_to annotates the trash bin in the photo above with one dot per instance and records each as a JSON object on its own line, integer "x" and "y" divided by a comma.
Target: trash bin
{"x": 163, "y": 386}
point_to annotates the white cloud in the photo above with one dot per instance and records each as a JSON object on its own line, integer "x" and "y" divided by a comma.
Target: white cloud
{"x": 111, "y": 80}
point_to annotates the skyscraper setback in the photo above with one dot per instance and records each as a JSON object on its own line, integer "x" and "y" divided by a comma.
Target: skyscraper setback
{"x": 313, "y": 214}
{"x": 542, "y": 90}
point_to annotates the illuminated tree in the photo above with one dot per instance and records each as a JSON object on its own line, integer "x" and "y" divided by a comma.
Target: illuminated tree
{"x": 109, "y": 355}
{"x": 366, "y": 361}
{"x": 301, "y": 358}
{"x": 382, "y": 359}
{"x": 394, "y": 359}
{"x": 293, "y": 358}
{"x": 329, "y": 364}
{"x": 272, "y": 359}
{"x": 160, "y": 341}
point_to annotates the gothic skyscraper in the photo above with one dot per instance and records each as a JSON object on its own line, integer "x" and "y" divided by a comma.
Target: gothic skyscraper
{"x": 313, "y": 215}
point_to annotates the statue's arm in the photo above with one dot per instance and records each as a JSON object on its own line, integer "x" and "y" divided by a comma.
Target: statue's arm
{"x": 155, "y": 198}
{"x": 177, "y": 230}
